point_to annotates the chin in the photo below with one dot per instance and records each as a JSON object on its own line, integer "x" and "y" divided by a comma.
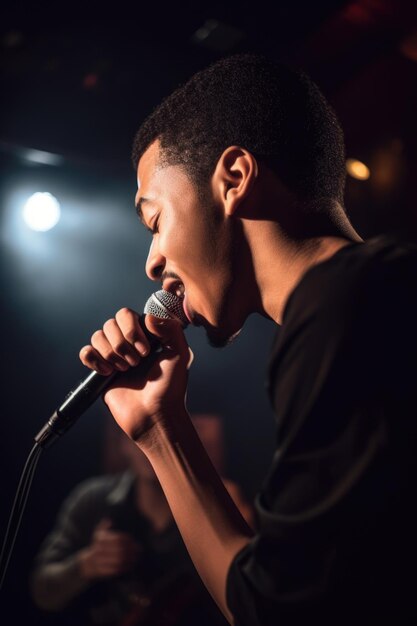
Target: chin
{"x": 217, "y": 339}
{"x": 218, "y": 336}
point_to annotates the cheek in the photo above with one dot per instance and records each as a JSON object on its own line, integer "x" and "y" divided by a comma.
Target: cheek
{"x": 194, "y": 248}
{"x": 174, "y": 245}
{"x": 187, "y": 248}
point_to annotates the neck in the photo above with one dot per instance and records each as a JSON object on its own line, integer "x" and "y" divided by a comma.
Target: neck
{"x": 279, "y": 261}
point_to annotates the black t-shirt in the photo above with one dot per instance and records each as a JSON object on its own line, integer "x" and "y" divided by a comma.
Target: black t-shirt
{"x": 336, "y": 538}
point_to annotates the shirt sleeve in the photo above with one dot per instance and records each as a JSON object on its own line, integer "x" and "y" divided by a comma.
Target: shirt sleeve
{"x": 55, "y": 579}
{"x": 74, "y": 524}
{"x": 325, "y": 385}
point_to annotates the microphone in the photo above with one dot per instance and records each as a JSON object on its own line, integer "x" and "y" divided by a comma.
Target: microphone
{"x": 160, "y": 304}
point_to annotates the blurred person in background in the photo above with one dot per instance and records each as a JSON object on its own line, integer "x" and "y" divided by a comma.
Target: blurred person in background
{"x": 115, "y": 556}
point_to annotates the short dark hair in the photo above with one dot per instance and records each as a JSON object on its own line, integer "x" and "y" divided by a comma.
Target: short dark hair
{"x": 275, "y": 112}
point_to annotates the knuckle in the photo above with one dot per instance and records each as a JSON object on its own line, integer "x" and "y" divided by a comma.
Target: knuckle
{"x": 109, "y": 324}
{"x": 97, "y": 337}
{"x": 115, "y": 359}
{"x": 124, "y": 313}
{"x": 85, "y": 353}
{"x": 106, "y": 352}
{"x": 119, "y": 347}
{"x": 131, "y": 335}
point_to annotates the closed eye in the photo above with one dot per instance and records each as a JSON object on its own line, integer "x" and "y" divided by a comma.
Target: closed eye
{"x": 154, "y": 228}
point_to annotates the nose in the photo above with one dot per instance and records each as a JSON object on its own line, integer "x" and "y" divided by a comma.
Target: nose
{"x": 155, "y": 262}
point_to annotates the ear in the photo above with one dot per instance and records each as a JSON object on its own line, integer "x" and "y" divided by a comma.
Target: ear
{"x": 234, "y": 177}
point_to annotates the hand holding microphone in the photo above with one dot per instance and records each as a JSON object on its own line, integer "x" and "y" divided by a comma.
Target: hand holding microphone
{"x": 143, "y": 358}
{"x": 155, "y": 385}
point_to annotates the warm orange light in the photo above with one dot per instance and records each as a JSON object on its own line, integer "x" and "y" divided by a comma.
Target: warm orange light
{"x": 357, "y": 169}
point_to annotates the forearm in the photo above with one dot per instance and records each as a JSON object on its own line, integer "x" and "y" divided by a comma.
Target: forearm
{"x": 55, "y": 585}
{"x": 212, "y": 527}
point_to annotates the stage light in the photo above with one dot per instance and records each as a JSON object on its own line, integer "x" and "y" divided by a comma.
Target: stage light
{"x": 357, "y": 169}
{"x": 41, "y": 211}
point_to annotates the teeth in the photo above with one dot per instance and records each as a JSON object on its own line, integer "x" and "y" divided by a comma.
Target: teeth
{"x": 176, "y": 288}
{"x": 180, "y": 290}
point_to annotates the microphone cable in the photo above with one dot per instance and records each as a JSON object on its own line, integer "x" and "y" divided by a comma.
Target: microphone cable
{"x": 18, "y": 507}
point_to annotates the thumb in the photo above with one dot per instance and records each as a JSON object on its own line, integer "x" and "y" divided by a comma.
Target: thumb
{"x": 170, "y": 334}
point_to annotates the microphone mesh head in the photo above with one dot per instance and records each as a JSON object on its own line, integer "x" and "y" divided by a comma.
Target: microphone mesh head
{"x": 167, "y": 305}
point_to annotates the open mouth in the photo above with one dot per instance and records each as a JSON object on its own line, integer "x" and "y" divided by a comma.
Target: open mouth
{"x": 185, "y": 307}
{"x": 174, "y": 285}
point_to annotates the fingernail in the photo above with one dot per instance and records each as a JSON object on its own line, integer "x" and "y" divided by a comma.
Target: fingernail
{"x": 141, "y": 348}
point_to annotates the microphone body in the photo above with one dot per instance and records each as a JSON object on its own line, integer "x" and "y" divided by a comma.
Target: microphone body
{"x": 161, "y": 304}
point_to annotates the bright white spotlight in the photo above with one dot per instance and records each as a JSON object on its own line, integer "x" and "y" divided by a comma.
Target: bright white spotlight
{"x": 41, "y": 211}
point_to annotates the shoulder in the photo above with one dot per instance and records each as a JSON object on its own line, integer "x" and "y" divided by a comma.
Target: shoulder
{"x": 91, "y": 492}
{"x": 346, "y": 307}
{"x": 357, "y": 277}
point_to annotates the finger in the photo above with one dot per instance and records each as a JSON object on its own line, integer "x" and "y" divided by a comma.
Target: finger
{"x": 102, "y": 530}
{"x": 111, "y": 551}
{"x": 119, "y": 343}
{"x": 129, "y": 323}
{"x": 93, "y": 359}
{"x": 115, "y": 568}
{"x": 117, "y": 540}
{"x": 169, "y": 333}
{"x": 110, "y": 567}
{"x": 102, "y": 345}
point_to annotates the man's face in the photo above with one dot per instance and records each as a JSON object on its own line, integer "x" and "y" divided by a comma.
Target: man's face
{"x": 193, "y": 245}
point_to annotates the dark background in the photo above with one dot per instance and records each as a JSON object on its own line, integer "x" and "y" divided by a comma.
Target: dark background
{"x": 76, "y": 81}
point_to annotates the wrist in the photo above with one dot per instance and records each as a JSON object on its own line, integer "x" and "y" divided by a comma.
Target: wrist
{"x": 168, "y": 425}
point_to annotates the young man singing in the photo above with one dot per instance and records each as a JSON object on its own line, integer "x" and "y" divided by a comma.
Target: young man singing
{"x": 241, "y": 181}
